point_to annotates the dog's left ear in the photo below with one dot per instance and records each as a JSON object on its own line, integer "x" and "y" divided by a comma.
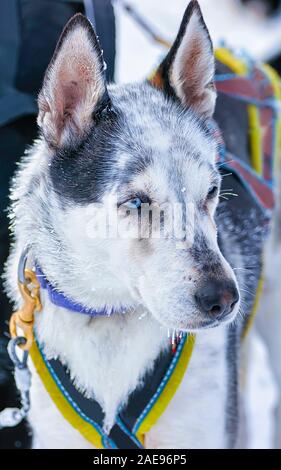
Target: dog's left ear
{"x": 74, "y": 86}
{"x": 188, "y": 70}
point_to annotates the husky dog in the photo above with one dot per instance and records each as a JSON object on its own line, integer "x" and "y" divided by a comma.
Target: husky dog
{"x": 138, "y": 145}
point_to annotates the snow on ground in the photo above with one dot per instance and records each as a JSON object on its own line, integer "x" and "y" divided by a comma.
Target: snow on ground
{"x": 260, "y": 394}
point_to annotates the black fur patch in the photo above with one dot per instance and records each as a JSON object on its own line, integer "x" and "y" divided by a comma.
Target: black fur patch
{"x": 86, "y": 172}
{"x": 83, "y": 174}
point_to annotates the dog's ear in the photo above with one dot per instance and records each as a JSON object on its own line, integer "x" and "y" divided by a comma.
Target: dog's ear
{"x": 74, "y": 86}
{"x": 188, "y": 70}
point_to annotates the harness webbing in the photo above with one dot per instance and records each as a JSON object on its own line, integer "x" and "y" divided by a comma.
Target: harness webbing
{"x": 258, "y": 87}
{"x": 144, "y": 408}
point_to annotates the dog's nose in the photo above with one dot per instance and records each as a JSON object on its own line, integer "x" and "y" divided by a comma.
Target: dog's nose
{"x": 217, "y": 299}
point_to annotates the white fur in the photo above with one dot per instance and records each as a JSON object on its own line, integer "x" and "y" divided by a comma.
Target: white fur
{"x": 108, "y": 347}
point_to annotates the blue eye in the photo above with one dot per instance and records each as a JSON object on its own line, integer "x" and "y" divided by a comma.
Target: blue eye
{"x": 133, "y": 203}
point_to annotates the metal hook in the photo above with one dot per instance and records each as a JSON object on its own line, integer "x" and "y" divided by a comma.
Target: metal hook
{"x": 13, "y": 343}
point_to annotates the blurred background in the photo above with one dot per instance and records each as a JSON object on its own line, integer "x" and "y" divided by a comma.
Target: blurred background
{"x": 134, "y": 35}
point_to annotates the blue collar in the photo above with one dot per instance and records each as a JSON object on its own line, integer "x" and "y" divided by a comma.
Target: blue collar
{"x": 59, "y": 298}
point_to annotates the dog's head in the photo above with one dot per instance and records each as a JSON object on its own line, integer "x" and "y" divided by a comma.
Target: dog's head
{"x": 144, "y": 146}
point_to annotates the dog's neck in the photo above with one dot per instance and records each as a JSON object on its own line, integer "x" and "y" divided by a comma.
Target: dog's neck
{"x": 107, "y": 357}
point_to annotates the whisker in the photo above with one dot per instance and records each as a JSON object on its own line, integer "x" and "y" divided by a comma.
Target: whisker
{"x": 228, "y": 193}
{"x": 219, "y": 165}
{"x": 245, "y": 267}
{"x": 248, "y": 292}
{"x": 227, "y": 174}
{"x": 248, "y": 270}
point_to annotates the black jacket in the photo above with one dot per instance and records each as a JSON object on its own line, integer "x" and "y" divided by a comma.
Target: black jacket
{"x": 29, "y": 30}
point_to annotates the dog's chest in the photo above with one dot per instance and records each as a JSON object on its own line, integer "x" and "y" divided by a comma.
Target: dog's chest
{"x": 107, "y": 357}
{"x": 197, "y": 415}
{"x": 197, "y": 407}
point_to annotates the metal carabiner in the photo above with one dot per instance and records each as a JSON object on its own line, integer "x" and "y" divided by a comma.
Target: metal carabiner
{"x": 10, "y": 417}
{"x": 13, "y": 343}
{"x": 30, "y": 292}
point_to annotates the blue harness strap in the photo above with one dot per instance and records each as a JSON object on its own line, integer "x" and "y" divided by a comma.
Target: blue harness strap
{"x": 86, "y": 414}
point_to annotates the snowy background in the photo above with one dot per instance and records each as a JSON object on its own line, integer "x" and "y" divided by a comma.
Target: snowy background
{"x": 227, "y": 20}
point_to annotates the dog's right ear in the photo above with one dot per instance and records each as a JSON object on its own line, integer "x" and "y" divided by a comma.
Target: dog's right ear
{"x": 187, "y": 72}
{"x": 74, "y": 86}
